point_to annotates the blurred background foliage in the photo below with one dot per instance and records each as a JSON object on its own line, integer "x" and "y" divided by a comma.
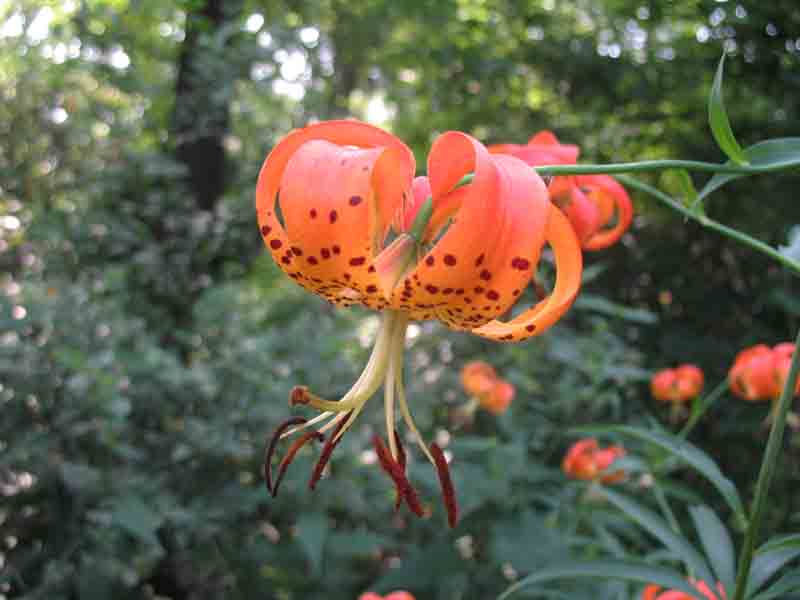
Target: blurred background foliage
{"x": 148, "y": 344}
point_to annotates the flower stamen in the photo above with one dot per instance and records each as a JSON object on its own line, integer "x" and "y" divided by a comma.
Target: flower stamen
{"x": 327, "y": 449}
{"x": 446, "y": 482}
{"x": 266, "y": 467}
{"x": 397, "y": 472}
{"x": 292, "y": 452}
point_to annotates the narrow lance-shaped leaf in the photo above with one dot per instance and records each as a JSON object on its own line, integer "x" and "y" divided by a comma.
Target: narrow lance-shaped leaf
{"x": 770, "y": 558}
{"x": 718, "y": 120}
{"x": 659, "y": 528}
{"x": 605, "y": 569}
{"x": 790, "y": 582}
{"x": 771, "y": 155}
{"x": 716, "y": 542}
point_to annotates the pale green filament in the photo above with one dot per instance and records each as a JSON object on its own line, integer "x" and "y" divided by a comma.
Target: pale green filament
{"x": 399, "y": 349}
{"x": 373, "y": 374}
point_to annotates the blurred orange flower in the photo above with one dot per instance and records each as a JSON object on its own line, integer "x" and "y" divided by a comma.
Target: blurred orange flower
{"x": 654, "y": 592}
{"x": 759, "y": 372}
{"x": 591, "y": 202}
{"x": 400, "y": 595}
{"x": 586, "y": 460}
{"x": 677, "y": 385}
{"x": 492, "y": 392}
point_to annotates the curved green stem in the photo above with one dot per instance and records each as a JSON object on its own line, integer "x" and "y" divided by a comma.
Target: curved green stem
{"x": 704, "y": 405}
{"x": 711, "y": 224}
{"x": 768, "y": 465}
{"x": 646, "y": 166}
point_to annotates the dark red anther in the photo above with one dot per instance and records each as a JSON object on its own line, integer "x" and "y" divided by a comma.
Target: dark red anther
{"x": 395, "y": 471}
{"x": 448, "y": 491}
{"x": 298, "y": 395}
{"x": 401, "y": 461}
{"x": 327, "y": 450}
{"x": 266, "y": 468}
{"x": 292, "y": 452}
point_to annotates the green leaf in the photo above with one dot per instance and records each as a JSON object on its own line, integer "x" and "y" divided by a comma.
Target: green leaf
{"x": 683, "y": 450}
{"x": 716, "y": 542}
{"x": 659, "y": 528}
{"x": 782, "y": 542}
{"x": 718, "y": 120}
{"x": 788, "y": 583}
{"x": 773, "y": 155}
{"x": 770, "y": 558}
{"x": 605, "y": 569}
{"x": 137, "y": 518}
{"x": 312, "y": 529}
{"x": 599, "y": 304}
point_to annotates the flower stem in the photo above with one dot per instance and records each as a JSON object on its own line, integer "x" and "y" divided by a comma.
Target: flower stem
{"x": 703, "y": 405}
{"x": 712, "y": 224}
{"x": 766, "y": 473}
{"x": 645, "y": 166}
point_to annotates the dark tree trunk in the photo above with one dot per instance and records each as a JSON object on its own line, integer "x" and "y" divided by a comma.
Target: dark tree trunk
{"x": 202, "y": 99}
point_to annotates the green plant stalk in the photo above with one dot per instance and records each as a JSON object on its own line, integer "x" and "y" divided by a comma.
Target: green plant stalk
{"x": 734, "y": 234}
{"x": 712, "y": 397}
{"x": 766, "y": 473}
{"x": 646, "y": 166}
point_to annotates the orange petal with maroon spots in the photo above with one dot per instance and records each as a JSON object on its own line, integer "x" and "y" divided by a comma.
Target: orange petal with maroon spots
{"x": 569, "y": 265}
{"x": 339, "y": 185}
{"x": 489, "y": 251}
{"x": 611, "y": 198}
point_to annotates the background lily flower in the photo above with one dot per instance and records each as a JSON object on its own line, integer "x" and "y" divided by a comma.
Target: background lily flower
{"x": 680, "y": 384}
{"x": 759, "y": 372}
{"x": 654, "y": 592}
{"x": 586, "y": 460}
{"x": 329, "y": 199}
{"x": 486, "y": 387}
{"x": 591, "y": 202}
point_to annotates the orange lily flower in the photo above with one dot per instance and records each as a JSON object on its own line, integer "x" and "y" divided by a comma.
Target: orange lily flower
{"x": 654, "y": 592}
{"x": 759, "y": 372}
{"x": 401, "y": 595}
{"x": 586, "y": 460}
{"x": 590, "y": 201}
{"x": 328, "y": 198}
{"x": 489, "y": 390}
{"x": 677, "y": 385}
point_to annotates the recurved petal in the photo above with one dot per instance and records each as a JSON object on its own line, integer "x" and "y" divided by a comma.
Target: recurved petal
{"x": 569, "y": 265}
{"x": 486, "y": 257}
{"x": 583, "y": 213}
{"x": 611, "y": 199}
{"x": 338, "y": 185}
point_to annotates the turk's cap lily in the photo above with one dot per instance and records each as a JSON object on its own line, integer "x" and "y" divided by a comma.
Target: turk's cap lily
{"x": 759, "y": 372}
{"x": 586, "y": 460}
{"x": 341, "y": 185}
{"x": 400, "y": 595}
{"x": 342, "y": 214}
{"x": 482, "y": 382}
{"x": 680, "y": 384}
